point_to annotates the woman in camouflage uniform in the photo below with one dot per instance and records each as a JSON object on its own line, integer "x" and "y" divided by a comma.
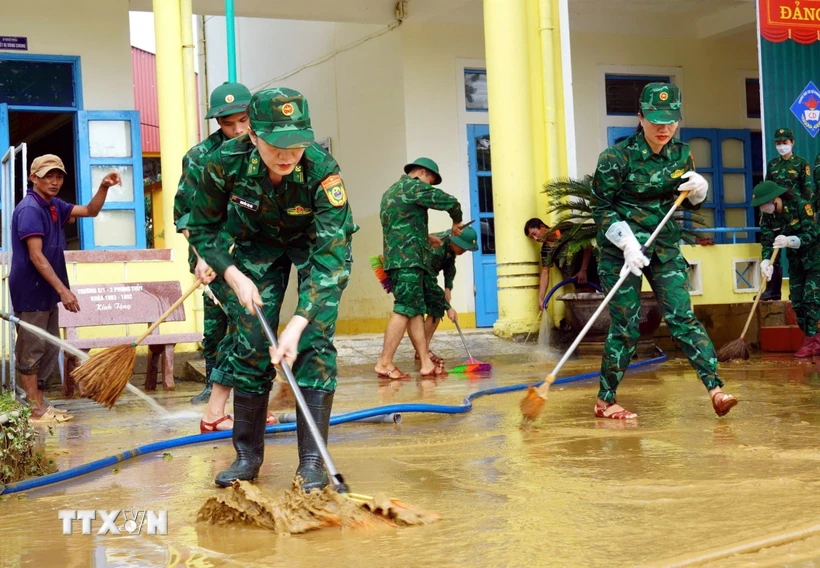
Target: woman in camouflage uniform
{"x": 635, "y": 184}
{"x": 278, "y": 197}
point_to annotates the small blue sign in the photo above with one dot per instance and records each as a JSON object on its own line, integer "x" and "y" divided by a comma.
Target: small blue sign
{"x": 805, "y": 108}
{"x": 16, "y": 43}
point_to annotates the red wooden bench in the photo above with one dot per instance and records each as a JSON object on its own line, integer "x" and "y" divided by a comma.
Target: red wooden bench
{"x": 130, "y": 303}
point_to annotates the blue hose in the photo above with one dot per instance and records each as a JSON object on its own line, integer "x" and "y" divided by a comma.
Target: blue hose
{"x": 564, "y": 283}
{"x": 465, "y": 406}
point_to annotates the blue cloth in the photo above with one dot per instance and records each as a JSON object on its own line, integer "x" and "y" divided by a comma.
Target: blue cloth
{"x": 34, "y": 216}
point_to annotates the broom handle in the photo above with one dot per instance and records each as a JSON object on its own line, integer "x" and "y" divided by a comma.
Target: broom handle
{"x": 757, "y": 297}
{"x": 338, "y": 480}
{"x": 624, "y": 274}
{"x": 458, "y": 327}
{"x": 169, "y": 311}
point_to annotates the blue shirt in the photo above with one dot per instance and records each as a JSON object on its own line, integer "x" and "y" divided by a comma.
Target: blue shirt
{"x": 34, "y": 216}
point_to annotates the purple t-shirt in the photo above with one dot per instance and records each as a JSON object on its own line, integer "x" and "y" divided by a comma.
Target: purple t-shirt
{"x": 34, "y": 216}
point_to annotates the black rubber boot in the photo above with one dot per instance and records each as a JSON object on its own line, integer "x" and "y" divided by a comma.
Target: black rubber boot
{"x": 250, "y": 413}
{"x": 772, "y": 292}
{"x": 311, "y": 466}
{"x": 203, "y": 397}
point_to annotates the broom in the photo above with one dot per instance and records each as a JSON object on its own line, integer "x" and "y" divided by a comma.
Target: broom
{"x": 532, "y": 404}
{"x": 105, "y": 375}
{"x": 78, "y": 354}
{"x": 739, "y": 348}
{"x": 472, "y": 365}
{"x": 377, "y": 264}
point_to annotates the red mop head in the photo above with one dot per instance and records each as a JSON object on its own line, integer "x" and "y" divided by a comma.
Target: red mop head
{"x": 377, "y": 264}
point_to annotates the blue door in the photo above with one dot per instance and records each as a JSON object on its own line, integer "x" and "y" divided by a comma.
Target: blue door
{"x": 615, "y": 134}
{"x": 481, "y": 209}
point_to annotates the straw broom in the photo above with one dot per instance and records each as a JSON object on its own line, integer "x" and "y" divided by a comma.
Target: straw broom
{"x": 739, "y": 348}
{"x": 105, "y": 375}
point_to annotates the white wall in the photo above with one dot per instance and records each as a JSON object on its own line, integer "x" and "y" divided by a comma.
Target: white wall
{"x": 356, "y": 99}
{"x": 431, "y": 54}
{"x": 96, "y": 30}
{"x": 711, "y": 71}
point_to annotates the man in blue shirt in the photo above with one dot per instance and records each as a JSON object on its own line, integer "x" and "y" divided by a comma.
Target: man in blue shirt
{"x": 39, "y": 279}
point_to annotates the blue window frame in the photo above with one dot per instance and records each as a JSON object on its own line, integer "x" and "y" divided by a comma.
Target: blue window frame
{"x": 39, "y": 64}
{"x": 735, "y": 212}
{"x": 92, "y": 167}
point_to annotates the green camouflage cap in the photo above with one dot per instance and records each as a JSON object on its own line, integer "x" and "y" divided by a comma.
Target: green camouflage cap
{"x": 783, "y": 134}
{"x": 427, "y": 164}
{"x": 228, "y": 99}
{"x": 660, "y": 103}
{"x": 468, "y": 239}
{"x": 766, "y": 191}
{"x": 281, "y": 118}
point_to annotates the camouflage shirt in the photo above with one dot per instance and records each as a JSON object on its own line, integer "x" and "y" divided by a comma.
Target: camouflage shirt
{"x": 794, "y": 174}
{"x": 305, "y": 217}
{"x": 192, "y": 165}
{"x": 633, "y": 184}
{"x": 403, "y": 215}
{"x": 795, "y": 220}
{"x": 443, "y": 259}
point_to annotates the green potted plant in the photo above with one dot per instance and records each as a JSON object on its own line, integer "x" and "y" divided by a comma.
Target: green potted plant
{"x": 574, "y": 231}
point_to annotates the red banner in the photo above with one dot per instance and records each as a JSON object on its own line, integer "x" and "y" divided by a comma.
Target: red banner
{"x": 798, "y": 20}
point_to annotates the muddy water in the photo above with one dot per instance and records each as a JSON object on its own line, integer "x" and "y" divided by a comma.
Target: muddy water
{"x": 570, "y": 491}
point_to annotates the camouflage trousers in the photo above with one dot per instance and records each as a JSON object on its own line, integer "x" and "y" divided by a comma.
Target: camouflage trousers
{"x": 669, "y": 282}
{"x": 408, "y": 291}
{"x": 244, "y": 362}
{"x": 804, "y": 292}
{"x": 216, "y": 320}
{"x": 435, "y": 303}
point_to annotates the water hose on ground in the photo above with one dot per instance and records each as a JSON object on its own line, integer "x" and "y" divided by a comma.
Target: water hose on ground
{"x": 359, "y": 415}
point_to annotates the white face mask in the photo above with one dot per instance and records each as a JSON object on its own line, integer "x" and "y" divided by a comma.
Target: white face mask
{"x": 784, "y": 149}
{"x": 767, "y": 207}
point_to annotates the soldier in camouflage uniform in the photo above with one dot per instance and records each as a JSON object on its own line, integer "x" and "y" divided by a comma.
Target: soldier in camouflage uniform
{"x": 636, "y": 183}
{"x": 793, "y": 173}
{"x": 442, "y": 257}
{"x": 280, "y": 198}
{"x": 788, "y": 222}
{"x": 403, "y": 215}
{"x": 229, "y": 106}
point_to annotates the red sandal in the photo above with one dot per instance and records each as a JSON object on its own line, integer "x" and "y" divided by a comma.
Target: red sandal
{"x": 207, "y": 427}
{"x": 433, "y": 357}
{"x": 618, "y": 415}
{"x": 725, "y": 404}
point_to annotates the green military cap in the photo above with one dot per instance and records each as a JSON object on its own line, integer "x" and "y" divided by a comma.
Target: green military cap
{"x": 228, "y": 99}
{"x": 660, "y": 103}
{"x": 783, "y": 134}
{"x": 468, "y": 239}
{"x": 427, "y": 164}
{"x": 281, "y": 117}
{"x": 766, "y": 191}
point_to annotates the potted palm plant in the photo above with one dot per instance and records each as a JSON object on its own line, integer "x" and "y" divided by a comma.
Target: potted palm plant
{"x": 575, "y": 231}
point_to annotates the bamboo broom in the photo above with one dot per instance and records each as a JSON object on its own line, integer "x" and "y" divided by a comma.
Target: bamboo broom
{"x": 739, "y": 348}
{"x": 105, "y": 375}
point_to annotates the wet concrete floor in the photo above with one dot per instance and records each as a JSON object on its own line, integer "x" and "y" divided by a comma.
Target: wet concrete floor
{"x": 676, "y": 485}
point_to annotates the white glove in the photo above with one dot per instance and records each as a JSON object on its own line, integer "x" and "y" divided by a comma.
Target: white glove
{"x": 620, "y": 235}
{"x": 766, "y": 269}
{"x": 782, "y": 241}
{"x": 696, "y": 185}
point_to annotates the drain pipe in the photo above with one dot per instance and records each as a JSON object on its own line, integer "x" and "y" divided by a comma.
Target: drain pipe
{"x": 230, "y": 32}
{"x": 188, "y": 77}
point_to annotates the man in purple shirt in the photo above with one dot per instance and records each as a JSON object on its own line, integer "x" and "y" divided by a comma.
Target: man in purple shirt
{"x": 39, "y": 279}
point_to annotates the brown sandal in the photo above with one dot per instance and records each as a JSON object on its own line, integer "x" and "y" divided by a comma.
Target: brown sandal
{"x": 725, "y": 404}
{"x": 208, "y": 427}
{"x": 618, "y": 415}
{"x": 394, "y": 375}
